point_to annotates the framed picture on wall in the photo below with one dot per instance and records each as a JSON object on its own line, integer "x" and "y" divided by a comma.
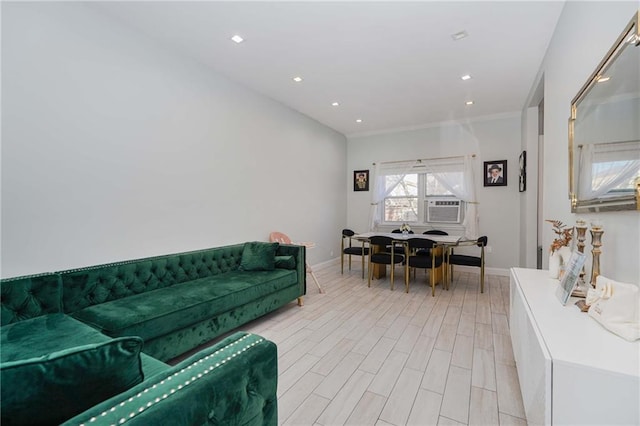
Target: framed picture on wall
{"x": 522, "y": 181}
{"x": 361, "y": 180}
{"x": 495, "y": 173}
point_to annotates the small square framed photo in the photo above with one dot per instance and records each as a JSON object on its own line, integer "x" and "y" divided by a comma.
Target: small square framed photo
{"x": 361, "y": 180}
{"x": 495, "y": 173}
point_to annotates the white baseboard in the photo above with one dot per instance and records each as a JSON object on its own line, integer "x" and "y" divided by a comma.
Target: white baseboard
{"x": 488, "y": 271}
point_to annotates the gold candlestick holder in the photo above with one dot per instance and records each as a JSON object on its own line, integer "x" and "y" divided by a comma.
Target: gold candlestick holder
{"x": 596, "y": 242}
{"x": 581, "y": 231}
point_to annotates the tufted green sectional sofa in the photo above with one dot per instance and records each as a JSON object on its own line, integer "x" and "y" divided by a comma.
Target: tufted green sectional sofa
{"x": 89, "y": 345}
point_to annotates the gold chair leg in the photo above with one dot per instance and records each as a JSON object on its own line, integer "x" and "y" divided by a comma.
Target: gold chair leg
{"x": 433, "y": 283}
{"x": 349, "y": 262}
{"x": 406, "y": 277}
{"x": 369, "y": 274}
{"x": 392, "y": 266}
{"x": 482, "y": 279}
{"x": 342, "y": 262}
{"x": 362, "y": 265}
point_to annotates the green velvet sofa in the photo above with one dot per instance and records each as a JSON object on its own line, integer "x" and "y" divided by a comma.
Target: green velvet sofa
{"x": 89, "y": 345}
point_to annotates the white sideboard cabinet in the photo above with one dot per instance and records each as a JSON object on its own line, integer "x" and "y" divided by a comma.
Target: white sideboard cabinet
{"x": 572, "y": 371}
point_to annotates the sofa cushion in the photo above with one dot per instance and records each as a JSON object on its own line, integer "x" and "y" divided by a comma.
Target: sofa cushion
{"x": 37, "y": 337}
{"x": 43, "y": 335}
{"x": 285, "y": 262}
{"x": 60, "y": 385}
{"x": 29, "y": 297}
{"x": 258, "y": 256}
{"x": 156, "y": 313}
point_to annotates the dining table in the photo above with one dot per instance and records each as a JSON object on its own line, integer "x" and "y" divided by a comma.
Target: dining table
{"x": 444, "y": 243}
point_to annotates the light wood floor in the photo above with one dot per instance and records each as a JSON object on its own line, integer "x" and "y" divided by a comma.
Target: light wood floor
{"x": 371, "y": 356}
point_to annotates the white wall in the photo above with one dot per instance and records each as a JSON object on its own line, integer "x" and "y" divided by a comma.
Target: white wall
{"x": 496, "y": 138}
{"x": 114, "y": 148}
{"x": 585, "y": 32}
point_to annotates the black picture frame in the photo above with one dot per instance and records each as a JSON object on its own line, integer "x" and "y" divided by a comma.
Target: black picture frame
{"x": 522, "y": 181}
{"x": 361, "y": 180}
{"x": 501, "y": 178}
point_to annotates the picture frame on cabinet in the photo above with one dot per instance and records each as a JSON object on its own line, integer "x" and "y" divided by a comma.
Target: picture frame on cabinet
{"x": 570, "y": 276}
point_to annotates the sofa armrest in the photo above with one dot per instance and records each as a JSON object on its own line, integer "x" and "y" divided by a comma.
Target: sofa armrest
{"x": 232, "y": 382}
{"x": 299, "y": 252}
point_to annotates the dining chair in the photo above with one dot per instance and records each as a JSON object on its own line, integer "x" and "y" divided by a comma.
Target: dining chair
{"x": 430, "y": 261}
{"x": 347, "y": 248}
{"x": 386, "y": 255}
{"x": 430, "y": 232}
{"x": 279, "y": 237}
{"x": 466, "y": 260}
{"x": 398, "y": 247}
{"x": 435, "y": 232}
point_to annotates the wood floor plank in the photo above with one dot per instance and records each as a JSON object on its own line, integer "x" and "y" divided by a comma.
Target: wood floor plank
{"x": 398, "y": 407}
{"x": 367, "y": 411}
{"x": 289, "y": 402}
{"x": 483, "y": 336}
{"x": 426, "y": 408}
{"x": 507, "y": 420}
{"x": 483, "y": 409}
{"x": 327, "y": 363}
{"x": 419, "y": 356}
{"x": 463, "y": 352}
{"x": 290, "y": 376}
{"x": 509, "y": 397}
{"x": 388, "y": 374}
{"x": 446, "y": 337}
{"x": 503, "y": 349}
{"x": 369, "y": 340}
{"x": 308, "y": 411}
{"x": 378, "y": 355}
{"x": 455, "y": 402}
{"x": 341, "y": 407}
{"x": 467, "y": 324}
{"x": 408, "y": 339}
{"x": 435, "y": 376}
{"x": 332, "y": 384}
{"x": 499, "y": 324}
{"x": 483, "y": 372}
{"x": 397, "y": 328}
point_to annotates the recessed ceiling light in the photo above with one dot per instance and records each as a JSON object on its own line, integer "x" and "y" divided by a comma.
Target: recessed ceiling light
{"x": 469, "y": 103}
{"x": 359, "y": 120}
{"x": 237, "y": 38}
{"x": 335, "y": 104}
{"x": 602, "y": 79}
{"x": 459, "y": 35}
{"x": 297, "y": 79}
{"x": 466, "y": 77}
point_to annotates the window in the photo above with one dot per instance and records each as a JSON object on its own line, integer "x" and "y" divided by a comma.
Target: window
{"x": 408, "y": 198}
{"x": 606, "y": 171}
{"x": 401, "y": 205}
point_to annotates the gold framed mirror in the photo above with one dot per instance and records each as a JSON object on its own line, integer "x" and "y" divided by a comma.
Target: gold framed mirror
{"x": 604, "y": 131}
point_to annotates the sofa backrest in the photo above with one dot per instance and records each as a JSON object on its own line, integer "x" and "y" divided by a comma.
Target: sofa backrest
{"x": 93, "y": 285}
{"x": 29, "y": 296}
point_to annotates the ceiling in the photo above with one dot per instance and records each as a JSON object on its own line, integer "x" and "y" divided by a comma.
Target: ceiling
{"x": 394, "y": 65}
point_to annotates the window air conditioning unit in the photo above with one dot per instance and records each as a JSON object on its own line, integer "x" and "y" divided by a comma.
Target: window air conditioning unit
{"x": 443, "y": 210}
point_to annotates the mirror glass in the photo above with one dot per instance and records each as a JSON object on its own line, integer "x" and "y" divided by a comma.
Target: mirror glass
{"x": 604, "y": 131}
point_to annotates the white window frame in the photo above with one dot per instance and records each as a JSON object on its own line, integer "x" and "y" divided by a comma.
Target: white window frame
{"x": 422, "y": 203}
